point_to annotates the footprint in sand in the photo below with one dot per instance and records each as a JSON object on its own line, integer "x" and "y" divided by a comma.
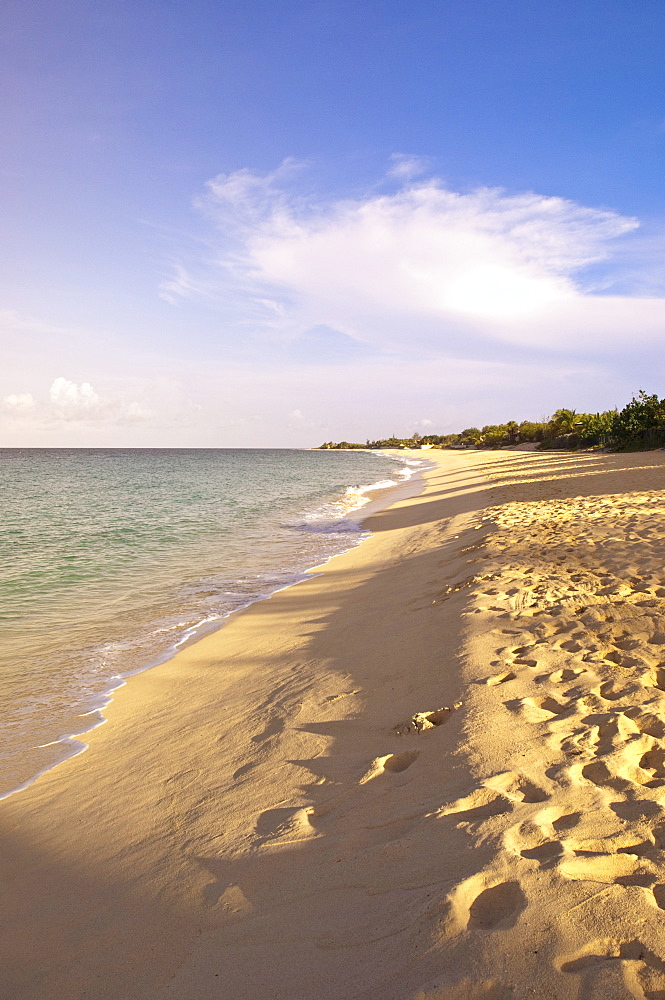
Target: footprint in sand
{"x": 658, "y": 832}
{"x": 546, "y": 853}
{"x": 522, "y": 658}
{"x": 479, "y": 805}
{"x": 245, "y": 769}
{"x": 275, "y": 725}
{"x": 647, "y": 722}
{"x": 422, "y": 721}
{"x": 532, "y": 840}
{"x": 506, "y": 675}
{"x": 286, "y": 825}
{"x": 537, "y": 709}
{"x": 643, "y": 971}
{"x": 653, "y": 762}
{"x": 657, "y": 678}
{"x": 641, "y": 810}
{"x": 566, "y": 675}
{"x": 626, "y": 644}
{"x": 551, "y": 705}
{"x": 496, "y": 907}
{"x": 598, "y": 773}
{"x": 658, "y": 892}
{"x": 621, "y": 660}
{"x": 516, "y": 787}
{"x": 393, "y": 763}
{"x": 609, "y": 731}
{"x": 566, "y": 822}
{"x": 610, "y": 691}
{"x": 599, "y": 867}
{"x": 554, "y": 819}
{"x": 398, "y": 762}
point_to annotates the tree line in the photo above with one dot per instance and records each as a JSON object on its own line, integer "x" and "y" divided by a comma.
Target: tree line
{"x": 640, "y": 425}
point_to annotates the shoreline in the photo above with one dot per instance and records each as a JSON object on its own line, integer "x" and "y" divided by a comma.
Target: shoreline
{"x": 280, "y": 826}
{"x": 371, "y": 499}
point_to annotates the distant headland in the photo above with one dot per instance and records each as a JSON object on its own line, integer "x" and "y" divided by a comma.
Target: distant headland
{"x": 640, "y": 425}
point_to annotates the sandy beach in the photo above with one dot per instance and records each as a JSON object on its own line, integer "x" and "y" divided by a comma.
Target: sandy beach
{"x": 434, "y": 770}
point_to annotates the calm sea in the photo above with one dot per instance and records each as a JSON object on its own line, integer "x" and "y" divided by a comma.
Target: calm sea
{"x": 111, "y": 559}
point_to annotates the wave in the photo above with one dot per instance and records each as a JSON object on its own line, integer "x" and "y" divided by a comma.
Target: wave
{"x": 197, "y": 608}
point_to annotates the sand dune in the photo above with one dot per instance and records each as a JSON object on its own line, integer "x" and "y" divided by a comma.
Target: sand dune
{"x": 436, "y": 770}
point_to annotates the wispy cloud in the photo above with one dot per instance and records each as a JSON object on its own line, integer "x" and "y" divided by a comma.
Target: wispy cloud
{"x": 405, "y": 167}
{"x": 420, "y": 266}
{"x": 181, "y": 284}
{"x": 11, "y": 319}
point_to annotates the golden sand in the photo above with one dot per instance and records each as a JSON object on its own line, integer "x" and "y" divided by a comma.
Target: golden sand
{"x": 436, "y": 770}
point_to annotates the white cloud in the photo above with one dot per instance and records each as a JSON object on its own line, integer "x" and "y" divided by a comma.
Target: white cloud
{"x": 420, "y": 266}
{"x": 133, "y": 413}
{"x": 70, "y": 402}
{"x": 76, "y": 402}
{"x": 18, "y": 404}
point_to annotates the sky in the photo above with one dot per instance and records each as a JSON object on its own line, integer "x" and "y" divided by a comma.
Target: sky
{"x": 272, "y": 223}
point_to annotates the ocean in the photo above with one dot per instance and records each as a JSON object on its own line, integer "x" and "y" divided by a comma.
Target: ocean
{"x": 111, "y": 559}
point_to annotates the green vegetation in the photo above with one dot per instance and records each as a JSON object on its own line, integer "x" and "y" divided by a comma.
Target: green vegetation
{"x": 640, "y": 425}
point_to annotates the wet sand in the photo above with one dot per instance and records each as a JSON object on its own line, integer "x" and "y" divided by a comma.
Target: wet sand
{"x": 435, "y": 770}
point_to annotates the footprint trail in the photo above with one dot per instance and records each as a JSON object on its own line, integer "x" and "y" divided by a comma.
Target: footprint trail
{"x": 566, "y": 669}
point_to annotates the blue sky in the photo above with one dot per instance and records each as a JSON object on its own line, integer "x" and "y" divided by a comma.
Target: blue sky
{"x": 274, "y": 223}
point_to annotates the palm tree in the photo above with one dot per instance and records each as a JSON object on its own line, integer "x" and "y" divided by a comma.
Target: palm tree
{"x": 513, "y": 431}
{"x": 563, "y": 421}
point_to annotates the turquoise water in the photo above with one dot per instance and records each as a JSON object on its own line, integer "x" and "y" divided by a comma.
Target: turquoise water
{"x": 109, "y": 559}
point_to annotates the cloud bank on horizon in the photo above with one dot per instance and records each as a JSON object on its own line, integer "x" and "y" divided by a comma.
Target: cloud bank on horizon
{"x": 418, "y": 266}
{"x": 68, "y": 402}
